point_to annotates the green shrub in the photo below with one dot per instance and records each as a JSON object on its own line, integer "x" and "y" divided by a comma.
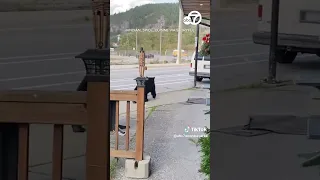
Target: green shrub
{"x": 204, "y": 143}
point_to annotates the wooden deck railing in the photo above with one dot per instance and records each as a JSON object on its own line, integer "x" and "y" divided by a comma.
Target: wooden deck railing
{"x": 126, "y": 152}
{"x": 22, "y": 108}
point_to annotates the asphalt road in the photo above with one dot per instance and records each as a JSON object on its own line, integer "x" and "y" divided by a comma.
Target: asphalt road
{"x": 41, "y": 57}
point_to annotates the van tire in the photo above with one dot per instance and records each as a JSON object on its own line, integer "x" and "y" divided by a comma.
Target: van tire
{"x": 318, "y": 54}
{"x": 285, "y": 57}
{"x": 199, "y": 79}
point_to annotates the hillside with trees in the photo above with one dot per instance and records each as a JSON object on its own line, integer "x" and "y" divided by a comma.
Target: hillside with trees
{"x": 163, "y": 16}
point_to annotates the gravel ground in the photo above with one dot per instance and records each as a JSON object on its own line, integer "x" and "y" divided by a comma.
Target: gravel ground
{"x": 125, "y": 60}
{"x": 172, "y": 158}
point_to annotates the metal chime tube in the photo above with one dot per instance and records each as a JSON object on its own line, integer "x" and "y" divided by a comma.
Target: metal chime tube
{"x": 100, "y": 23}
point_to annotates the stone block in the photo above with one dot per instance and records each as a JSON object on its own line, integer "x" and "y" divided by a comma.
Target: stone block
{"x": 138, "y": 169}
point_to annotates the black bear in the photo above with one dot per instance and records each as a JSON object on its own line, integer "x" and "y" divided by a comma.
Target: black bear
{"x": 150, "y": 87}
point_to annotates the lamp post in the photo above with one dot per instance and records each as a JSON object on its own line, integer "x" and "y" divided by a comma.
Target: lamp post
{"x": 97, "y": 85}
{"x": 273, "y": 42}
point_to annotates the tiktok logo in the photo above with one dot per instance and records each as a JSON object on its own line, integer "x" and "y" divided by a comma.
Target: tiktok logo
{"x": 187, "y": 129}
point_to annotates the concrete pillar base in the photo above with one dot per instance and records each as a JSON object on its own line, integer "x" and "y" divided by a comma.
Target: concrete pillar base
{"x": 138, "y": 169}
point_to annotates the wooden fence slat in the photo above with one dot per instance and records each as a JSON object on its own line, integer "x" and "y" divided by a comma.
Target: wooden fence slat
{"x": 57, "y": 154}
{"x": 123, "y": 96}
{"x": 23, "y": 161}
{"x": 34, "y": 96}
{"x": 127, "y": 125}
{"x": 43, "y": 113}
{"x": 122, "y": 154}
{"x": 63, "y": 97}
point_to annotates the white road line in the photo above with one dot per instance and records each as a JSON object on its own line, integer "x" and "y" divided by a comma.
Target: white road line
{"x": 45, "y": 27}
{"x": 41, "y": 76}
{"x": 76, "y": 82}
{"x": 82, "y": 72}
{"x": 35, "y": 61}
{"x": 246, "y": 59}
{"x": 181, "y": 69}
{"x": 240, "y": 55}
{"x": 154, "y": 69}
{"x": 252, "y": 62}
{"x": 64, "y": 58}
{"x": 156, "y": 77}
{"x": 240, "y": 63}
{"x": 233, "y": 40}
{"x": 74, "y": 53}
{"x": 39, "y": 55}
{"x": 46, "y": 85}
{"x": 215, "y": 66}
{"x": 164, "y": 84}
{"x": 172, "y": 80}
{"x": 233, "y": 44}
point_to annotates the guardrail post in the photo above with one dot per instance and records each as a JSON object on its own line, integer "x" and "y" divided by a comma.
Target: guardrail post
{"x": 140, "y": 117}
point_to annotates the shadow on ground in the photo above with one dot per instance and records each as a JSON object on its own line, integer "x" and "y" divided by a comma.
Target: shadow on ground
{"x": 269, "y": 156}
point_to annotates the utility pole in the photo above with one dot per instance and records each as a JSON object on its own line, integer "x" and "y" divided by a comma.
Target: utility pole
{"x": 179, "y": 36}
{"x": 127, "y": 45}
{"x": 196, "y": 57}
{"x": 274, "y": 42}
{"x": 160, "y": 41}
{"x": 136, "y": 42}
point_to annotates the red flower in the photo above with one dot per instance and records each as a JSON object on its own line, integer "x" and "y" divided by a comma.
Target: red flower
{"x": 205, "y": 48}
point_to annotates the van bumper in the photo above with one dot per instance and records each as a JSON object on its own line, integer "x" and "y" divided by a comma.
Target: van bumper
{"x": 200, "y": 74}
{"x": 303, "y": 42}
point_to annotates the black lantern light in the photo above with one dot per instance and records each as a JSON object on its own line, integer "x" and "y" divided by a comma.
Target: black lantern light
{"x": 97, "y": 61}
{"x": 97, "y": 64}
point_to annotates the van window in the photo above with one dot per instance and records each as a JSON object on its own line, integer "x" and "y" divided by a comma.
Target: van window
{"x": 206, "y": 58}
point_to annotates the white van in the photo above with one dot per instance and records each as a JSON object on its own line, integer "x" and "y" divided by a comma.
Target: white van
{"x": 299, "y": 28}
{"x": 203, "y": 70}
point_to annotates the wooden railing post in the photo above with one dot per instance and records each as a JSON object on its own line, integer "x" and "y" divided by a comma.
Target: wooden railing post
{"x": 140, "y": 117}
{"x": 98, "y": 136}
{"x": 97, "y": 63}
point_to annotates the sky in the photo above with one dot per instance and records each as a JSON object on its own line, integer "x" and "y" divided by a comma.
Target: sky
{"x": 117, "y": 6}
